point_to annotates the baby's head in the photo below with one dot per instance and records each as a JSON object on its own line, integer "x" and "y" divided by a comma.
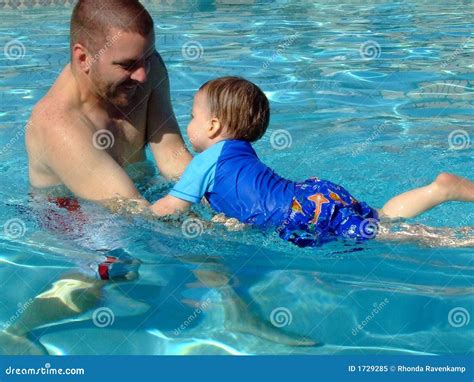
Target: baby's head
{"x": 228, "y": 108}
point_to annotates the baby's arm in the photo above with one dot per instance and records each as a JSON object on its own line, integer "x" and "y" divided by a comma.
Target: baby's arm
{"x": 170, "y": 205}
{"x": 189, "y": 189}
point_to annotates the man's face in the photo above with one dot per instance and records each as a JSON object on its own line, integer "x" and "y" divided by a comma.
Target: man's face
{"x": 121, "y": 65}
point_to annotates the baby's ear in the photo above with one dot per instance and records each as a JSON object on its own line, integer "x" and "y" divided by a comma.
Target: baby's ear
{"x": 215, "y": 128}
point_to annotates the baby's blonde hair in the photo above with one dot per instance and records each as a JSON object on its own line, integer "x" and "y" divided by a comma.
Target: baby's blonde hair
{"x": 240, "y": 106}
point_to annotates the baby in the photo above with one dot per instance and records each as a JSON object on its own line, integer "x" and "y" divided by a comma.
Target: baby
{"x": 230, "y": 113}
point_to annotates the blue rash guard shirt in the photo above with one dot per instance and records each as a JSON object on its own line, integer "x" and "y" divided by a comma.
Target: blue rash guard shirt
{"x": 236, "y": 183}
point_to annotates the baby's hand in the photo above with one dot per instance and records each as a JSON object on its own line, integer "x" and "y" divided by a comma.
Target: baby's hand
{"x": 232, "y": 224}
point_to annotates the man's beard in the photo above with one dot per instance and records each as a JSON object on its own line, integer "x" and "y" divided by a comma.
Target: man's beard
{"x": 122, "y": 94}
{"x": 119, "y": 95}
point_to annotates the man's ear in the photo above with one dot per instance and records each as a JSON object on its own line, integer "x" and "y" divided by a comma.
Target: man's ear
{"x": 215, "y": 128}
{"x": 80, "y": 56}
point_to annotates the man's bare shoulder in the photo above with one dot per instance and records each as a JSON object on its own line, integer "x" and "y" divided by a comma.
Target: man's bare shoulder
{"x": 57, "y": 112}
{"x": 51, "y": 122}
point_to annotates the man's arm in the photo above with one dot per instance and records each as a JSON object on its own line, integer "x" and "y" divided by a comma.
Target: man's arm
{"x": 163, "y": 133}
{"x": 89, "y": 172}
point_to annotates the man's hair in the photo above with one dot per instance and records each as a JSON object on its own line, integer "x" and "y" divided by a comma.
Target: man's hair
{"x": 240, "y": 106}
{"x": 92, "y": 20}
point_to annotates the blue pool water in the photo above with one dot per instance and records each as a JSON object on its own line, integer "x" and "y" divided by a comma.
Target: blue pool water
{"x": 375, "y": 97}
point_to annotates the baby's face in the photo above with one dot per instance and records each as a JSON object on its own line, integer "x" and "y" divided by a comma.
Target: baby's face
{"x": 200, "y": 122}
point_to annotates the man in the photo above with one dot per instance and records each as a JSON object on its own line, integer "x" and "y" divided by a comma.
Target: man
{"x": 111, "y": 100}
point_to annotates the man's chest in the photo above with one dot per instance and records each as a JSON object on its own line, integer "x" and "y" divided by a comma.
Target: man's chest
{"x": 126, "y": 137}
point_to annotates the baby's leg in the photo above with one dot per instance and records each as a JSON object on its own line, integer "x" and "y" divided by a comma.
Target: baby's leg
{"x": 425, "y": 236}
{"x": 446, "y": 187}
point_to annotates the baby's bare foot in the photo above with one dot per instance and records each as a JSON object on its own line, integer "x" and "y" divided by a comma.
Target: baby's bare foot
{"x": 456, "y": 187}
